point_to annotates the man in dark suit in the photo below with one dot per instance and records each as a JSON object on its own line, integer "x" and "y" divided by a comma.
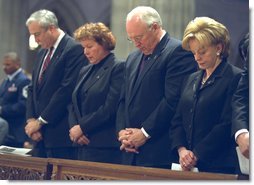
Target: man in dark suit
{"x": 154, "y": 74}
{"x": 240, "y": 103}
{"x": 53, "y": 80}
{"x": 13, "y": 102}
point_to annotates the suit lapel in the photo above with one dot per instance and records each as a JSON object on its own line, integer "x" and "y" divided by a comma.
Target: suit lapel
{"x": 101, "y": 72}
{"x": 134, "y": 74}
{"x": 75, "y": 92}
{"x": 153, "y": 59}
{"x": 54, "y": 60}
{"x": 41, "y": 59}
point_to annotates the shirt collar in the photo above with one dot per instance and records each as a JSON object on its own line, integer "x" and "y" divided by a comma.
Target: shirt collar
{"x": 10, "y": 77}
{"x": 58, "y": 40}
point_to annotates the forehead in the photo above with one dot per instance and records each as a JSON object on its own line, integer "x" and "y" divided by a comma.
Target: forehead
{"x": 34, "y": 27}
{"x": 8, "y": 61}
{"x": 135, "y": 25}
{"x": 196, "y": 45}
{"x": 86, "y": 42}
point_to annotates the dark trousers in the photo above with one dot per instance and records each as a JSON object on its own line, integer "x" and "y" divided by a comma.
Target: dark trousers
{"x": 60, "y": 152}
{"x": 104, "y": 155}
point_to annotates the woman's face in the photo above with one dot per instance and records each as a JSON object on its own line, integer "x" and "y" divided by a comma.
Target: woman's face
{"x": 205, "y": 55}
{"x": 93, "y": 51}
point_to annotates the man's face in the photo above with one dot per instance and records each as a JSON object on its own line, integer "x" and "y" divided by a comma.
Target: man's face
{"x": 9, "y": 66}
{"x": 43, "y": 36}
{"x": 140, "y": 35}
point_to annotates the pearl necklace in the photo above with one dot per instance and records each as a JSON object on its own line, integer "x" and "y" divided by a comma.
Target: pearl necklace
{"x": 203, "y": 81}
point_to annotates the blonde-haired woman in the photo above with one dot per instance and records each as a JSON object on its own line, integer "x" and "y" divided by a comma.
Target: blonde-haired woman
{"x": 201, "y": 128}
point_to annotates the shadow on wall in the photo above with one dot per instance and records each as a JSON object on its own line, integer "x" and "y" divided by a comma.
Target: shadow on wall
{"x": 234, "y": 14}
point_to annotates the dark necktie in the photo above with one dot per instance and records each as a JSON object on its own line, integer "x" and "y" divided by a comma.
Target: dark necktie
{"x": 45, "y": 63}
{"x": 145, "y": 58}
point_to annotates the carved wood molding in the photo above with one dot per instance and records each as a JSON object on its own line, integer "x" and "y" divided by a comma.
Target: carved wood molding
{"x": 14, "y": 173}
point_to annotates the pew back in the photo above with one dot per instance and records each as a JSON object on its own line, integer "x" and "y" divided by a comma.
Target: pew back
{"x": 13, "y": 167}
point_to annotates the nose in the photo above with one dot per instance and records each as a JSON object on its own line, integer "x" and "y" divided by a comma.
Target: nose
{"x": 37, "y": 40}
{"x": 137, "y": 44}
{"x": 86, "y": 51}
{"x": 197, "y": 57}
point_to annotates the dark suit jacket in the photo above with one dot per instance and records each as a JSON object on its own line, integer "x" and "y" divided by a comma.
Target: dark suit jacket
{"x": 13, "y": 101}
{"x": 202, "y": 122}
{"x": 149, "y": 101}
{"x": 97, "y": 111}
{"x": 50, "y": 99}
{"x": 240, "y": 103}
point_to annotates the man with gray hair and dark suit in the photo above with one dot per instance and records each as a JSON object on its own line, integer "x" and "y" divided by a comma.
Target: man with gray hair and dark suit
{"x": 54, "y": 76}
{"x": 154, "y": 74}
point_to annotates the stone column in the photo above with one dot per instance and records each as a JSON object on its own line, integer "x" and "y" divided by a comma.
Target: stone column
{"x": 175, "y": 15}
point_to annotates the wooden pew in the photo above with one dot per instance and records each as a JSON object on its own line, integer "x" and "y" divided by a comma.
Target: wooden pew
{"x": 77, "y": 170}
{"x": 14, "y": 167}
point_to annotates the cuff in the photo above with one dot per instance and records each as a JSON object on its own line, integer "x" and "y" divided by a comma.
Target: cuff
{"x": 42, "y": 120}
{"x": 145, "y": 133}
{"x": 240, "y": 132}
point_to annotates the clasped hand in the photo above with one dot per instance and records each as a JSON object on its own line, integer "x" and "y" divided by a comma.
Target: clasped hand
{"x": 32, "y": 129}
{"x": 77, "y": 136}
{"x": 187, "y": 159}
{"x": 131, "y": 139}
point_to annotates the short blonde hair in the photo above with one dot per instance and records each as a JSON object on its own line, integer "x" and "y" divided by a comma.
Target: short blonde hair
{"x": 207, "y": 31}
{"x": 98, "y": 32}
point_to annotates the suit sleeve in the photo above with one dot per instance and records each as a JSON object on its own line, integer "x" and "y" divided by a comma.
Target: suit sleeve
{"x": 120, "y": 115}
{"x": 240, "y": 105}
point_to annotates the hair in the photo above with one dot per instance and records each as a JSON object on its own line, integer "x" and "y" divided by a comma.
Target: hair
{"x": 13, "y": 56}
{"x": 45, "y": 18}
{"x": 147, "y": 14}
{"x": 98, "y": 32}
{"x": 207, "y": 31}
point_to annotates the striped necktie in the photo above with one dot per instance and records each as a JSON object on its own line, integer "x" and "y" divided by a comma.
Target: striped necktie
{"x": 45, "y": 63}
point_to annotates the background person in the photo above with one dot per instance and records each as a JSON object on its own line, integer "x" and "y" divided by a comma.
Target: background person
{"x": 240, "y": 103}
{"x": 13, "y": 102}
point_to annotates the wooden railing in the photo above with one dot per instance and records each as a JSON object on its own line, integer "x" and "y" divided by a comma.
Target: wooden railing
{"x": 13, "y": 167}
{"x": 32, "y": 168}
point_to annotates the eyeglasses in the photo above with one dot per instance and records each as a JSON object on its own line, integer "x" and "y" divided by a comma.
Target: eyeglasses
{"x": 138, "y": 38}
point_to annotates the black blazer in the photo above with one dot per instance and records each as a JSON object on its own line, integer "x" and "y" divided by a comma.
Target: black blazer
{"x": 240, "y": 103}
{"x": 202, "y": 122}
{"x": 150, "y": 100}
{"x": 51, "y": 97}
{"x": 96, "y": 113}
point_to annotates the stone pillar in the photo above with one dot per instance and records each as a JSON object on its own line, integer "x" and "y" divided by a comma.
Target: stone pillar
{"x": 175, "y": 15}
{"x": 12, "y": 28}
